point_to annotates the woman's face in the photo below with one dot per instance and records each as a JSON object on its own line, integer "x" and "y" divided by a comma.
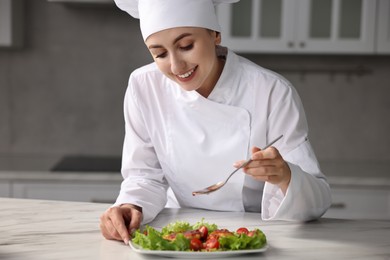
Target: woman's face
{"x": 187, "y": 56}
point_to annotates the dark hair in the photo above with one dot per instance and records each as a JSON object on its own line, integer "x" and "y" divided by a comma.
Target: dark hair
{"x": 212, "y": 31}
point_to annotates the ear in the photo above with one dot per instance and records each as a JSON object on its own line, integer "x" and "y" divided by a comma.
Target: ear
{"x": 218, "y": 38}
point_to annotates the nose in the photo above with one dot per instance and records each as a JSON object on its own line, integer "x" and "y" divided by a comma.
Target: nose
{"x": 177, "y": 64}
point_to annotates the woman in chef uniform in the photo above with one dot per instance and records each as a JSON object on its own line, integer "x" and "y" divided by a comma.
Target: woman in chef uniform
{"x": 198, "y": 109}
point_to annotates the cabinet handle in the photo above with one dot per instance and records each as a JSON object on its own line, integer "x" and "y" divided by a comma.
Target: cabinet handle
{"x": 290, "y": 44}
{"x": 302, "y": 44}
{"x": 338, "y": 205}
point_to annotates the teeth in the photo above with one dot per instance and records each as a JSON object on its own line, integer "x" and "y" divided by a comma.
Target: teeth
{"x": 186, "y": 75}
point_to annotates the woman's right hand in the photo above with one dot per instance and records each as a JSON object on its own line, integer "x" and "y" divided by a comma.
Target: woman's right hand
{"x": 119, "y": 222}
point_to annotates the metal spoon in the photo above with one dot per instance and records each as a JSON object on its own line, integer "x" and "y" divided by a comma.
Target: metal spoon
{"x": 220, "y": 184}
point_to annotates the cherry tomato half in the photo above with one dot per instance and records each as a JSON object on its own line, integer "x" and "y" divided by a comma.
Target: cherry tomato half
{"x": 242, "y": 230}
{"x": 211, "y": 243}
{"x": 196, "y": 244}
{"x": 204, "y": 232}
{"x": 253, "y": 233}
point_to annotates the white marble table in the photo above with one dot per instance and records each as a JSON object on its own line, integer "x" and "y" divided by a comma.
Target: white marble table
{"x": 37, "y": 229}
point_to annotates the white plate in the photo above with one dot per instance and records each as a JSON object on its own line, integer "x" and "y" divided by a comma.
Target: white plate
{"x": 190, "y": 254}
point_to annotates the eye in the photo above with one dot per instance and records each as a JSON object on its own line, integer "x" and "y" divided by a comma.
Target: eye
{"x": 161, "y": 55}
{"x": 188, "y": 47}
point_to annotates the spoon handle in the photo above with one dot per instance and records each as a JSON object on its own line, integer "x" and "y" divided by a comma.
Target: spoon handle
{"x": 271, "y": 143}
{"x": 249, "y": 160}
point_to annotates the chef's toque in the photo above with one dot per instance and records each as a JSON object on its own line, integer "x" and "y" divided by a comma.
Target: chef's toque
{"x": 158, "y": 15}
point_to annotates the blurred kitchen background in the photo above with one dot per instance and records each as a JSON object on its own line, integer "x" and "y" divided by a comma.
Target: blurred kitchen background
{"x": 64, "y": 67}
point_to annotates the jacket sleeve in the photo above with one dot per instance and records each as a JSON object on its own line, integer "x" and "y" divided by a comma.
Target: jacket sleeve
{"x": 308, "y": 195}
{"x": 143, "y": 180}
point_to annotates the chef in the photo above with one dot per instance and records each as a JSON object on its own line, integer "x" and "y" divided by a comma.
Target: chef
{"x": 198, "y": 111}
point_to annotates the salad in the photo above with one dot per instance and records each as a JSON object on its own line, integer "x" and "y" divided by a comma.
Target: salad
{"x": 202, "y": 236}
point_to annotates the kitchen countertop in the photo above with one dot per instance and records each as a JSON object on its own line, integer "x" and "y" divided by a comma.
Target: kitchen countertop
{"x": 114, "y": 177}
{"x": 346, "y": 173}
{"x": 28, "y": 168}
{"x": 37, "y": 229}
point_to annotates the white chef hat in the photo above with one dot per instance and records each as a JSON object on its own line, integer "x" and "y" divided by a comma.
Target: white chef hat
{"x": 158, "y": 15}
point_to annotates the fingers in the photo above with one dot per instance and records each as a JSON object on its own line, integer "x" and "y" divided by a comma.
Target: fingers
{"x": 268, "y": 165}
{"x": 118, "y": 222}
{"x": 112, "y": 225}
{"x": 269, "y": 153}
{"x": 113, "y": 222}
{"x": 238, "y": 163}
{"x": 260, "y": 158}
{"x": 136, "y": 218}
{"x": 109, "y": 231}
{"x": 268, "y": 174}
{"x": 255, "y": 149}
{"x": 106, "y": 226}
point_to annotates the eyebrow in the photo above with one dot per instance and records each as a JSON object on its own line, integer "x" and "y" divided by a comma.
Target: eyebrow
{"x": 178, "y": 38}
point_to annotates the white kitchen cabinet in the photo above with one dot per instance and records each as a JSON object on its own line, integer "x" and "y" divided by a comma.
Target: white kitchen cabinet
{"x": 360, "y": 203}
{"x": 299, "y": 26}
{"x": 5, "y": 189}
{"x": 383, "y": 39}
{"x": 258, "y": 26}
{"x": 336, "y": 26}
{"x": 11, "y": 21}
{"x": 67, "y": 191}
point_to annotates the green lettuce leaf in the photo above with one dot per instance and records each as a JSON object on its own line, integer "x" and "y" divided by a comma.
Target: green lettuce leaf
{"x": 154, "y": 241}
{"x": 176, "y": 227}
{"x": 243, "y": 241}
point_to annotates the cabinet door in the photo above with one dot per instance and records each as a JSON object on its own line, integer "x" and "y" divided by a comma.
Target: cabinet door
{"x": 336, "y": 26}
{"x": 300, "y": 26}
{"x": 5, "y": 189}
{"x": 359, "y": 203}
{"x": 101, "y": 193}
{"x": 258, "y": 25}
{"x": 383, "y": 39}
{"x": 11, "y": 22}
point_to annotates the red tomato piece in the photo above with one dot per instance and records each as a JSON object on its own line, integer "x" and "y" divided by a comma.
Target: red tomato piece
{"x": 204, "y": 232}
{"x": 211, "y": 243}
{"x": 242, "y": 230}
{"x": 252, "y": 233}
{"x": 196, "y": 244}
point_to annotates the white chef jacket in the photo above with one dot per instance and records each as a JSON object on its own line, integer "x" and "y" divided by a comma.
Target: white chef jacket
{"x": 183, "y": 141}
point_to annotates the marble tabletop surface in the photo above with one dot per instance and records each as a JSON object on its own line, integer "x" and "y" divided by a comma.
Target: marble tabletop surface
{"x": 38, "y": 229}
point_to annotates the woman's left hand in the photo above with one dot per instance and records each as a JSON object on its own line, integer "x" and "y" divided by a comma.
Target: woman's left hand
{"x": 268, "y": 165}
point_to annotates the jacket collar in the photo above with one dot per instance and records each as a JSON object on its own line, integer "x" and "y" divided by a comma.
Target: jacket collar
{"x": 227, "y": 83}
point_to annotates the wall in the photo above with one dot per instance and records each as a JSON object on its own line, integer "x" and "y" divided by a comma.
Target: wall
{"x": 62, "y": 93}
{"x": 348, "y": 111}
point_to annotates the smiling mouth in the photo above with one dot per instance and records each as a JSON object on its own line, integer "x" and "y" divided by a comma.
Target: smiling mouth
{"x": 187, "y": 74}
